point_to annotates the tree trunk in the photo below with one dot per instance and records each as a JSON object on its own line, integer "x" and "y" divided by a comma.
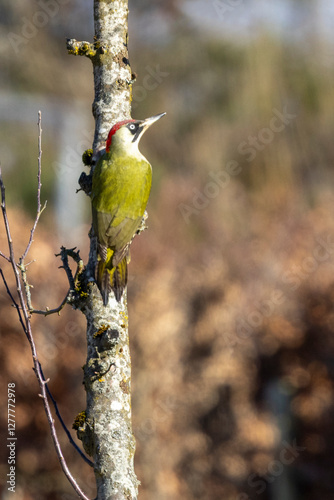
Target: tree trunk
{"x": 105, "y": 428}
{"x": 112, "y": 73}
{"x": 107, "y": 431}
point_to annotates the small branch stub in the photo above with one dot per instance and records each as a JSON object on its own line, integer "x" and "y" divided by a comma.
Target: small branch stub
{"x": 86, "y": 49}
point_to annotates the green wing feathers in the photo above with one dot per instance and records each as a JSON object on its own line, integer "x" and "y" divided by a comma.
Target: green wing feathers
{"x": 120, "y": 192}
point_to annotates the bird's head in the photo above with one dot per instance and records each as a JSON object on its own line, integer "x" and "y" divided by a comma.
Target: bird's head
{"x": 127, "y": 133}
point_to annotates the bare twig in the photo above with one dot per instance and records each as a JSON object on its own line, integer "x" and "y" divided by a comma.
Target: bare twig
{"x": 54, "y": 402}
{"x": 73, "y": 281}
{"x": 23, "y": 313}
{"x": 15, "y": 304}
{"x": 4, "y": 256}
{"x": 39, "y": 185}
{"x": 47, "y": 311}
{"x": 23, "y": 269}
{"x": 64, "y": 252}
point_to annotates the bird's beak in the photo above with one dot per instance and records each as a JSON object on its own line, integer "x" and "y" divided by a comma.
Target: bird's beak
{"x": 144, "y": 125}
{"x": 149, "y": 121}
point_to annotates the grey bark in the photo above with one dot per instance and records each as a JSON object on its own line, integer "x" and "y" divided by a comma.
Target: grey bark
{"x": 112, "y": 73}
{"x": 106, "y": 432}
{"x": 105, "y": 428}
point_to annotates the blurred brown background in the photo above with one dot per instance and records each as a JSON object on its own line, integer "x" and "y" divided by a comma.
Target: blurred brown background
{"x": 231, "y": 289}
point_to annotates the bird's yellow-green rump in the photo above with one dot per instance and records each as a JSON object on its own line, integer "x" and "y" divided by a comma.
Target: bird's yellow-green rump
{"x": 121, "y": 187}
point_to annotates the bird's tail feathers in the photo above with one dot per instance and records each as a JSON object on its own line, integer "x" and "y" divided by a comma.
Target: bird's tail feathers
{"x": 103, "y": 282}
{"x": 120, "y": 278}
{"x": 112, "y": 278}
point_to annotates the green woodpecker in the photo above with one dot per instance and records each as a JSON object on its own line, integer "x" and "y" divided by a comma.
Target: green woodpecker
{"x": 121, "y": 186}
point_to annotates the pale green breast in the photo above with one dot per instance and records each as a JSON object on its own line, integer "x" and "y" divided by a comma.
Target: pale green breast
{"x": 121, "y": 184}
{"x": 120, "y": 191}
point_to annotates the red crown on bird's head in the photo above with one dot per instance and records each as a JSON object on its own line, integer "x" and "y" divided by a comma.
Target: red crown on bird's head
{"x": 114, "y": 129}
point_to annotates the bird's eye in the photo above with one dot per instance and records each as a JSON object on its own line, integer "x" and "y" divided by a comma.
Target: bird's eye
{"x": 132, "y": 127}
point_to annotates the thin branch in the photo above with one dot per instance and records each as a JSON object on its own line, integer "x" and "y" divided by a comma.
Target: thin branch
{"x": 4, "y": 256}
{"x": 26, "y": 325}
{"x": 64, "y": 253}
{"x": 23, "y": 269}
{"x": 15, "y": 304}
{"x": 54, "y": 402}
{"x": 39, "y": 185}
{"x": 56, "y": 310}
{"x": 27, "y": 286}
